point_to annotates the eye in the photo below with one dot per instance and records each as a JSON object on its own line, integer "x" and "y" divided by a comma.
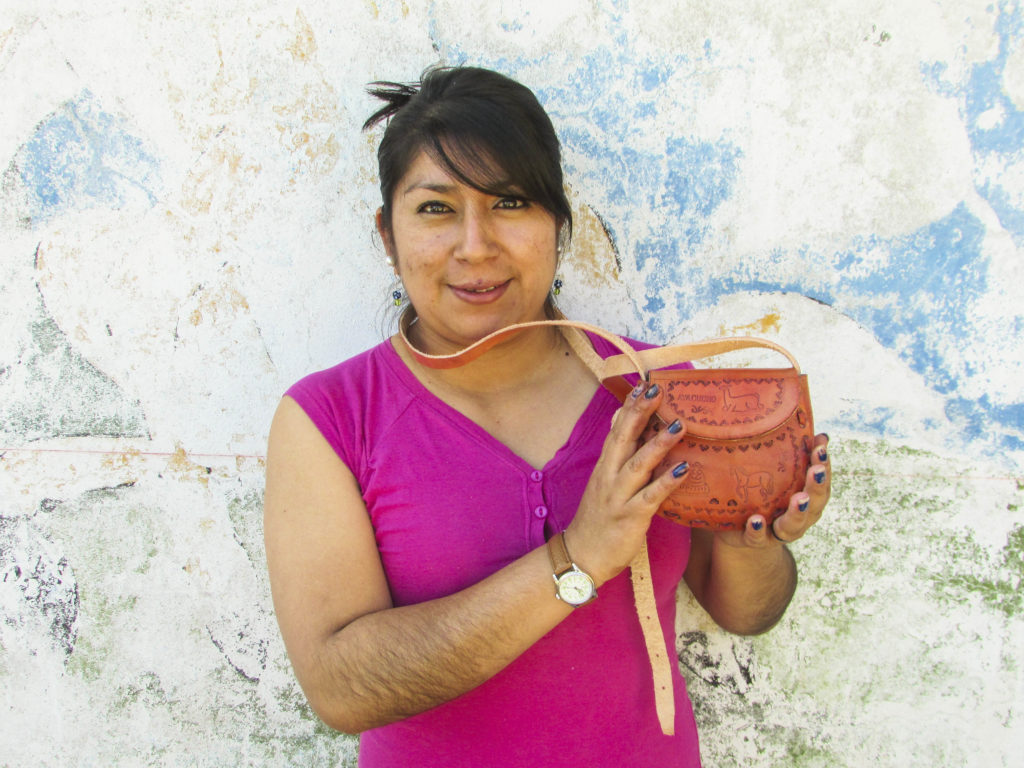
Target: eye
{"x": 433, "y": 206}
{"x": 512, "y": 203}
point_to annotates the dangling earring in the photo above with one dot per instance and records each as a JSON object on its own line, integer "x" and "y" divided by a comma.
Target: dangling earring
{"x": 397, "y": 296}
{"x": 557, "y": 286}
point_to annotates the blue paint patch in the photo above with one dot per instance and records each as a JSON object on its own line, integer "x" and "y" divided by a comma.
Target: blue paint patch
{"x": 701, "y": 176}
{"x": 985, "y": 95}
{"x": 1010, "y": 215}
{"x": 981, "y": 419}
{"x": 934, "y": 75}
{"x": 644, "y": 111}
{"x": 654, "y": 305}
{"x": 653, "y": 77}
{"x": 677, "y": 188}
{"x": 875, "y": 421}
{"x": 922, "y": 296}
{"x": 81, "y": 157}
{"x": 652, "y": 248}
{"x": 995, "y": 126}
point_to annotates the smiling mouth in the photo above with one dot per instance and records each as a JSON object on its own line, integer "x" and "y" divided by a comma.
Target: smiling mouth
{"x": 480, "y": 289}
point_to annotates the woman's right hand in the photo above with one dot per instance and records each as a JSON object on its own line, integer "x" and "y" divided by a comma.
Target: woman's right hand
{"x": 622, "y": 495}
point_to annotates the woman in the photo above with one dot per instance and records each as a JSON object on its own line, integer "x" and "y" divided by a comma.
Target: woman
{"x": 415, "y": 516}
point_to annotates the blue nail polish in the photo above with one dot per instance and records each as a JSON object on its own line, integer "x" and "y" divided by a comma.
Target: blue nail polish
{"x": 757, "y": 525}
{"x": 680, "y": 470}
{"x": 819, "y": 477}
{"x": 802, "y": 506}
{"x": 823, "y": 456}
{"x": 652, "y": 392}
{"x": 637, "y": 390}
{"x": 675, "y": 427}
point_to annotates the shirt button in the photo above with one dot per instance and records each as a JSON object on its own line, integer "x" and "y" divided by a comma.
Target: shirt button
{"x": 536, "y": 476}
{"x": 541, "y": 512}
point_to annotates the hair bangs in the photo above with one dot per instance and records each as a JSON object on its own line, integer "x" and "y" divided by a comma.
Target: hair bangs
{"x": 489, "y": 155}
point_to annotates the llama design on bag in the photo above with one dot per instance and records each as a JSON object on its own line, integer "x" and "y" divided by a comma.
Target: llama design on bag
{"x": 746, "y": 482}
{"x": 742, "y": 403}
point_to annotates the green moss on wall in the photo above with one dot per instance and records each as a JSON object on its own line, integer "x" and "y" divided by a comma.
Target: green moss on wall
{"x": 901, "y": 604}
{"x": 976, "y": 571}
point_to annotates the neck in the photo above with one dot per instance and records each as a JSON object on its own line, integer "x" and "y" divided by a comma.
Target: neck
{"x": 513, "y": 356}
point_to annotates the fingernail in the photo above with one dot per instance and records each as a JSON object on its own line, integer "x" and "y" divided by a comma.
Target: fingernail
{"x": 652, "y": 392}
{"x": 680, "y": 469}
{"x": 637, "y": 390}
{"x": 757, "y": 525}
{"x": 819, "y": 477}
{"x": 823, "y": 455}
{"x": 675, "y": 427}
{"x": 802, "y": 506}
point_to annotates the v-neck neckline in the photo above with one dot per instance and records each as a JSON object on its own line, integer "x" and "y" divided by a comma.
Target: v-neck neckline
{"x": 582, "y": 426}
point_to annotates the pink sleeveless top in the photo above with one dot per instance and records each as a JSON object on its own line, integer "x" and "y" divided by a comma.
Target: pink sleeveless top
{"x": 451, "y": 505}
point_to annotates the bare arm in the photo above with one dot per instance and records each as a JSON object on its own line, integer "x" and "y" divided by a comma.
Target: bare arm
{"x": 746, "y": 579}
{"x": 364, "y": 663}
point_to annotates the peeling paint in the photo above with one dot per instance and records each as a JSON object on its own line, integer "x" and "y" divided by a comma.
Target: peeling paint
{"x": 82, "y": 156}
{"x": 52, "y": 391}
{"x": 37, "y": 587}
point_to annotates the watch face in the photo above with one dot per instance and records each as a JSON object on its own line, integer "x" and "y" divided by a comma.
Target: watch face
{"x": 575, "y": 587}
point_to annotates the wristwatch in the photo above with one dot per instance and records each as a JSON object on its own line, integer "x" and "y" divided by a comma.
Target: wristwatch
{"x": 572, "y": 585}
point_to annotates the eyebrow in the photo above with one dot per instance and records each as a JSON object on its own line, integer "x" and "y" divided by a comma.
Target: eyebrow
{"x": 432, "y": 186}
{"x": 449, "y": 188}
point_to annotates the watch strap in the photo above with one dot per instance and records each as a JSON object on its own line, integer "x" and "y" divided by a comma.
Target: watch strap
{"x": 559, "y": 554}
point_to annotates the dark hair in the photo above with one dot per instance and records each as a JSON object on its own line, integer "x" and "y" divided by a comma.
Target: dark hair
{"x": 484, "y": 128}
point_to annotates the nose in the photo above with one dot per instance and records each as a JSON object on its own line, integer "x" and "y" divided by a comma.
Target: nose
{"x": 476, "y": 235}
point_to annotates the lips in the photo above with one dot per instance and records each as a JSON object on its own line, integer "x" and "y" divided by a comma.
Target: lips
{"x": 480, "y": 292}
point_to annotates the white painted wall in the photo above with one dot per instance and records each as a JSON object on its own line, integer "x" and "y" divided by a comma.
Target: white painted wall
{"x": 186, "y": 218}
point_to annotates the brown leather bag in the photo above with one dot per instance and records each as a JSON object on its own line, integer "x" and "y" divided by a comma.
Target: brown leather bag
{"x": 749, "y": 432}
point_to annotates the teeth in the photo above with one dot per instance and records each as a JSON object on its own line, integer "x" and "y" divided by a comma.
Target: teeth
{"x": 482, "y": 290}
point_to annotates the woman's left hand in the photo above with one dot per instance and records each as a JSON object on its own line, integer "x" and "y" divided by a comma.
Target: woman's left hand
{"x": 804, "y": 510}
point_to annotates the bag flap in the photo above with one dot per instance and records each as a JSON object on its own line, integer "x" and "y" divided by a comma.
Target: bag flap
{"x": 729, "y": 403}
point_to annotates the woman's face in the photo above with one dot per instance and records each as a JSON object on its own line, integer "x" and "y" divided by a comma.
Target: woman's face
{"x": 471, "y": 263}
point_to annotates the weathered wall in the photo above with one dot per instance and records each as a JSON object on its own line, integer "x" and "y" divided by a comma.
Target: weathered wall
{"x": 186, "y": 229}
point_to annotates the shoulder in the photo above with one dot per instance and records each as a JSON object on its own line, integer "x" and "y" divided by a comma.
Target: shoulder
{"x": 358, "y": 375}
{"x": 347, "y": 399}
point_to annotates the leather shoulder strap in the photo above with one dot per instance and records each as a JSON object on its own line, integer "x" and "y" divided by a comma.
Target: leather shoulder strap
{"x": 473, "y": 351}
{"x": 630, "y": 361}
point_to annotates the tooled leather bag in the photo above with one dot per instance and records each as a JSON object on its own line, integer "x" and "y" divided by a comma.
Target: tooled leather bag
{"x": 749, "y": 431}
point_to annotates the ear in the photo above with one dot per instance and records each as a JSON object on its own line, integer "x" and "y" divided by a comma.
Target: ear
{"x": 385, "y": 238}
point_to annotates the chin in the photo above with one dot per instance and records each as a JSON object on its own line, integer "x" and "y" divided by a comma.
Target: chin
{"x": 473, "y": 329}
